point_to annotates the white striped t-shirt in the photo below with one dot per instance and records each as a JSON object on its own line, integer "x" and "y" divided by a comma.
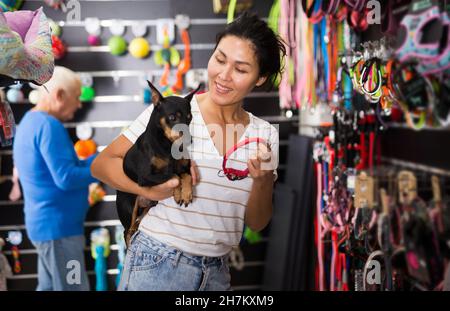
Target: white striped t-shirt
{"x": 213, "y": 223}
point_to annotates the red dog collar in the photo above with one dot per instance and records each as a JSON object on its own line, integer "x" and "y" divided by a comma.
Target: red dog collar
{"x": 232, "y": 173}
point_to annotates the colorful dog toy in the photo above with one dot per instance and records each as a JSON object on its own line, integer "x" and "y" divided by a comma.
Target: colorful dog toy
{"x": 94, "y": 29}
{"x": 166, "y": 57}
{"x": 100, "y": 250}
{"x": 117, "y": 44}
{"x": 139, "y": 46}
{"x": 15, "y": 238}
{"x": 182, "y": 22}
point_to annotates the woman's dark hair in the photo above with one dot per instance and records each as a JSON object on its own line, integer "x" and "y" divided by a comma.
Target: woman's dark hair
{"x": 269, "y": 47}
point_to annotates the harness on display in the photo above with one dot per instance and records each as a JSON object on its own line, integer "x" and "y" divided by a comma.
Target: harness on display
{"x": 412, "y": 33}
{"x": 416, "y": 93}
{"x": 442, "y": 61}
{"x": 232, "y": 173}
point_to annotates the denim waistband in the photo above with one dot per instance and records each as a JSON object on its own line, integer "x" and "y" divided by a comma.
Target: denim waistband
{"x": 176, "y": 254}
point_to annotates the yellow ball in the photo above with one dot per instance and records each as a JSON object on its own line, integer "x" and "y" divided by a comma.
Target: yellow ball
{"x": 139, "y": 48}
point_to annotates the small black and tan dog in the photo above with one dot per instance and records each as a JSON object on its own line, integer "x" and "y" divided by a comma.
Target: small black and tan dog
{"x": 150, "y": 161}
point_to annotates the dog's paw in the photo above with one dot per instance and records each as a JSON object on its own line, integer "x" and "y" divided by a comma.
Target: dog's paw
{"x": 186, "y": 189}
{"x": 186, "y": 197}
{"x": 177, "y": 195}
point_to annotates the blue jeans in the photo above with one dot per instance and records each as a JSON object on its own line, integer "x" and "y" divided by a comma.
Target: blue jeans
{"x": 61, "y": 265}
{"x": 153, "y": 266}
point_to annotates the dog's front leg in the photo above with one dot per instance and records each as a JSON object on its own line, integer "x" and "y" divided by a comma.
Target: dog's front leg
{"x": 177, "y": 193}
{"x": 186, "y": 188}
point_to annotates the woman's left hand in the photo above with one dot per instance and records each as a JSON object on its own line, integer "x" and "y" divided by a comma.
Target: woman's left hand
{"x": 259, "y": 164}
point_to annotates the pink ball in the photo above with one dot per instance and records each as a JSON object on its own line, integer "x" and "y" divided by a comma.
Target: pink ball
{"x": 93, "y": 40}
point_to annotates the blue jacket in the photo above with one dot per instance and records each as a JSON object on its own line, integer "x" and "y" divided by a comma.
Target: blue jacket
{"x": 54, "y": 181}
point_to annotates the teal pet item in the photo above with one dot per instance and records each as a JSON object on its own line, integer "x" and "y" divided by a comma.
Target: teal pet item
{"x": 100, "y": 250}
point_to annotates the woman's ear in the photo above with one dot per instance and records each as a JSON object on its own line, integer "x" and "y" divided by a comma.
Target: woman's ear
{"x": 261, "y": 80}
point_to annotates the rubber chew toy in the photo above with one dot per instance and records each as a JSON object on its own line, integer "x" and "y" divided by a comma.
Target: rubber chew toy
{"x": 182, "y": 22}
{"x": 96, "y": 194}
{"x": 15, "y": 238}
{"x": 100, "y": 251}
{"x": 232, "y": 173}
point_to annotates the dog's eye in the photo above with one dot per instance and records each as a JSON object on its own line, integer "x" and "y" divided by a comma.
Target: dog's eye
{"x": 189, "y": 116}
{"x": 172, "y": 117}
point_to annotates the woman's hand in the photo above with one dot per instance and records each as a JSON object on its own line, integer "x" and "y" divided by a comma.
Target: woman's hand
{"x": 258, "y": 165}
{"x": 165, "y": 190}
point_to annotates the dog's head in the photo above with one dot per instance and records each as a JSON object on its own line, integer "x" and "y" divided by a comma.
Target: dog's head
{"x": 172, "y": 112}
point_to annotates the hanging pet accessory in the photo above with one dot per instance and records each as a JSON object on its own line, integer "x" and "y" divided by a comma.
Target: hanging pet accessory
{"x": 182, "y": 22}
{"x": 85, "y": 146}
{"x": 87, "y": 89}
{"x": 100, "y": 250}
{"x": 15, "y": 239}
{"x": 15, "y": 94}
{"x": 7, "y": 122}
{"x": 168, "y": 56}
{"x": 117, "y": 44}
{"x": 139, "y": 46}
{"x": 94, "y": 29}
{"x": 58, "y": 45}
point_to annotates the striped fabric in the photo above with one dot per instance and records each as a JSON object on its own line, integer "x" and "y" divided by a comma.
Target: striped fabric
{"x": 214, "y": 222}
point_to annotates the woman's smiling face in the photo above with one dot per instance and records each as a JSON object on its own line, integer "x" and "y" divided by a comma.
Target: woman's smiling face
{"x": 233, "y": 71}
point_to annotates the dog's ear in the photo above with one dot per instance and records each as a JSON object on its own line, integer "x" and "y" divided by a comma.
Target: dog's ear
{"x": 189, "y": 96}
{"x": 156, "y": 95}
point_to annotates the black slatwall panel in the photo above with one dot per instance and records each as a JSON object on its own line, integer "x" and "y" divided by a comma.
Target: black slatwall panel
{"x": 11, "y": 213}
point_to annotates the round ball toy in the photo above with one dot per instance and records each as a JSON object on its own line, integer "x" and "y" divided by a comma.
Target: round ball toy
{"x": 93, "y": 40}
{"x": 85, "y": 148}
{"x": 55, "y": 29}
{"x": 33, "y": 97}
{"x": 117, "y": 45}
{"x": 139, "y": 48}
{"x": 87, "y": 93}
{"x": 58, "y": 47}
{"x": 14, "y": 96}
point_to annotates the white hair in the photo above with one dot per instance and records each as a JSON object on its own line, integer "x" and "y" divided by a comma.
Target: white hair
{"x": 62, "y": 78}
